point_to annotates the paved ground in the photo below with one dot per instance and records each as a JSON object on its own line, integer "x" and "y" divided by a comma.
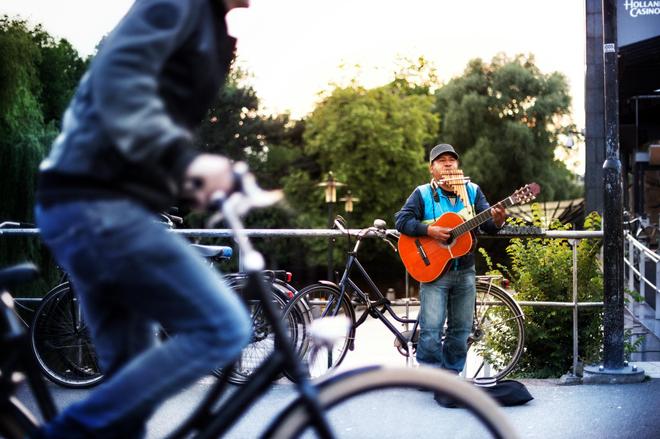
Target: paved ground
{"x": 651, "y": 368}
{"x": 561, "y": 412}
{"x": 581, "y": 412}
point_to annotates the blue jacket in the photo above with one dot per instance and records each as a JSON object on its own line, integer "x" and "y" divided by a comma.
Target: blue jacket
{"x": 421, "y": 209}
{"x": 128, "y": 129}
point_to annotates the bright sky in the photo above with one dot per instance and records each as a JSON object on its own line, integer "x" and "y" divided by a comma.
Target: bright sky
{"x": 294, "y": 48}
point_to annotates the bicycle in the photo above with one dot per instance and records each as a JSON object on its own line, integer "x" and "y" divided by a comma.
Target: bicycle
{"x": 215, "y": 415}
{"x": 641, "y": 228}
{"x": 495, "y": 344}
{"x": 64, "y": 351}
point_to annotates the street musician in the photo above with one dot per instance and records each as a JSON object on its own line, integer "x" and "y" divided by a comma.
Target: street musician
{"x": 450, "y": 294}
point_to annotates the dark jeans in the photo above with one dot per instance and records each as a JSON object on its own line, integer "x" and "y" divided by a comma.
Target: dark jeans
{"x": 450, "y": 298}
{"x": 130, "y": 272}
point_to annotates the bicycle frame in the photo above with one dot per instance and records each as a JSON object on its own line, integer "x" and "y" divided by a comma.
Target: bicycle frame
{"x": 206, "y": 422}
{"x": 15, "y": 345}
{"x": 216, "y": 422}
{"x": 378, "y": 308}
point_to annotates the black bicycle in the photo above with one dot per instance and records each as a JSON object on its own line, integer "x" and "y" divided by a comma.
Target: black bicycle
{"x": 314, "y": 406}
{"x": 495, "y": 343}
{"x": 63, "y": 348}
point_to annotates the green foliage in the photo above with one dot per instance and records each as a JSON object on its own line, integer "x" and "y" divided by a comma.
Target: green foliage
{"x": 375, "y": 141}
{"x": 541, "y": 270}
{"x": 631, "y": 343}
{"x": 59, "y": 69}
{"x": 29, "y": 57}
{"x": 232, "y": 126}
{"x": 505, "y": 118}
{"x": 367, "y": 137}
{"x": 493, "y": 270}
{"x": 271, "y": 145}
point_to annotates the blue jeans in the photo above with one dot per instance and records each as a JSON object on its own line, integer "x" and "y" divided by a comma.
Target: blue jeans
{"x": 130, "y": 272}
{"x": 450, "y": 298}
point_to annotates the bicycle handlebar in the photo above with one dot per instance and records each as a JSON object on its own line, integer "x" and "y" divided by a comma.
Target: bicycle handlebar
{"x": 232, "y": 207}
{"x": 379, "y": 229}
{"x": 15, "y": 225}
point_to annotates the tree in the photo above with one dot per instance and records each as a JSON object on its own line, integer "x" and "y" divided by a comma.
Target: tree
{"x": 59, "y": 69}
{"x": 504, "y": 118}
{"x": 22, "y": 134}
{"x": 374, "y": 140}
{"x": 270, "y": 145}
{"x": 30, "y": 57}
{"x": 233, "y": 126}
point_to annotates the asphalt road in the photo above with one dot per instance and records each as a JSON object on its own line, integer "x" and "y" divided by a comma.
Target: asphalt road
{"x": 581, "y": 412}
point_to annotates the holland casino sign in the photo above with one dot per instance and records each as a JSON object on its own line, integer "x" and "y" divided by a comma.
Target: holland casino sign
{"x": 637, "y": 20}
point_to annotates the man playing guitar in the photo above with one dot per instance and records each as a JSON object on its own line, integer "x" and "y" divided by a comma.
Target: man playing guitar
{"x": 451, "y": 295}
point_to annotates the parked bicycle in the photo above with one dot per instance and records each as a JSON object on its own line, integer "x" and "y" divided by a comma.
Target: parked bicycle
{"x": 217, "y": 413}
{"x": 495, "y": 343}
{"x": 641, "y": 228}
{"x": 62, "y": 345}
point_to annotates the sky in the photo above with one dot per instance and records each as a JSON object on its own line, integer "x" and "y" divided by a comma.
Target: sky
{"x": 294, "y": 49}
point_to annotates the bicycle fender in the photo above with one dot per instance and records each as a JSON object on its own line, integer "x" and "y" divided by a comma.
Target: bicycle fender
{"x": 513, "y": 301}
{"x": 329, "y": 380}
{"x": 517, "y": 307}
{"x": 335, "y": 287}
{"x": 328, "y": 283}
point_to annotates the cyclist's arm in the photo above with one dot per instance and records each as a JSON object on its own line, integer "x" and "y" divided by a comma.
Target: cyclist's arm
{"x": 408, "y": 219}
{"x": 129, "y": 64}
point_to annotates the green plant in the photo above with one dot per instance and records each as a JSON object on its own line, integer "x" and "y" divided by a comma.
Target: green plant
{"x": 541, "y": 270}
{"x": 632, "y": 294}
{"x": 631, "y": 343}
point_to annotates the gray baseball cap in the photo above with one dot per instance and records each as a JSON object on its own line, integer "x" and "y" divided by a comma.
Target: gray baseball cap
{"x": 440, "y": 149}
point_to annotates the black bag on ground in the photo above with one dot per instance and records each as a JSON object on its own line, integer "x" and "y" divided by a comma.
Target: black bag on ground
{"x": 506, "y": 393}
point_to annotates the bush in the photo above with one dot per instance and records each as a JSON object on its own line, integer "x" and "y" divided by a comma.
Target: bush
{"x": 541, "y": 270}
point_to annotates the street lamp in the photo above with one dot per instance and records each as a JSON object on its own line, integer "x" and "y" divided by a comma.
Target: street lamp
{"x": 330, "y": 185}
{"x": 349, "y": 200}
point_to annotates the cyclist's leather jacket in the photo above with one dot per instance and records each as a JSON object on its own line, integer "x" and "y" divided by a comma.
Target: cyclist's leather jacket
{"x": 127, "y": 130}
{"x": 422, "y": 208}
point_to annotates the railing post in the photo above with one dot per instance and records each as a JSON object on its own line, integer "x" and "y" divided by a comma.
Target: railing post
{"x": 613, "y": 368}
{"x": 631, "y": 258}
{"x": 657, "y": 293}
{"x": 573, "y": 243}
{"x": 642, "y": 273}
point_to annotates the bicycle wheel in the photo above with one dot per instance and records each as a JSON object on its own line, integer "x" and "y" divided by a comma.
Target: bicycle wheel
{"x": 314, "y": 302}
{"x": 372, "y": 389}
{"x": 498, "y": 336}
{"x": 497, "y": 339}
{"x": 61, "y": 342}
{"x": 262, "y": 343}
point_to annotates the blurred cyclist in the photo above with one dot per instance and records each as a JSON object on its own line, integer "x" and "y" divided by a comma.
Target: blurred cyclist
{"x": 125, "y": 153}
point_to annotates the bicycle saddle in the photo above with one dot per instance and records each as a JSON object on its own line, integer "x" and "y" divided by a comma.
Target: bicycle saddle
{"x": 214, "y": 251}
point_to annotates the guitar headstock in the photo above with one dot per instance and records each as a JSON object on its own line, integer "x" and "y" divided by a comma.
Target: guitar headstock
{"x": 526, "y": 193}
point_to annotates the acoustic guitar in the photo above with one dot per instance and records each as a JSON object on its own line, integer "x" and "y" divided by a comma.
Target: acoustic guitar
{"x": 426, "y": 258}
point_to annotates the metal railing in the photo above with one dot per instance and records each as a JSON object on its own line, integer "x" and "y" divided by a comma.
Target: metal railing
{"x": 507, "y": 232}
{"x": 635, "y": 258}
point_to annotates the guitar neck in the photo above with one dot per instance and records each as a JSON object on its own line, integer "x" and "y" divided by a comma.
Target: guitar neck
{"x": 479, "y": 219}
